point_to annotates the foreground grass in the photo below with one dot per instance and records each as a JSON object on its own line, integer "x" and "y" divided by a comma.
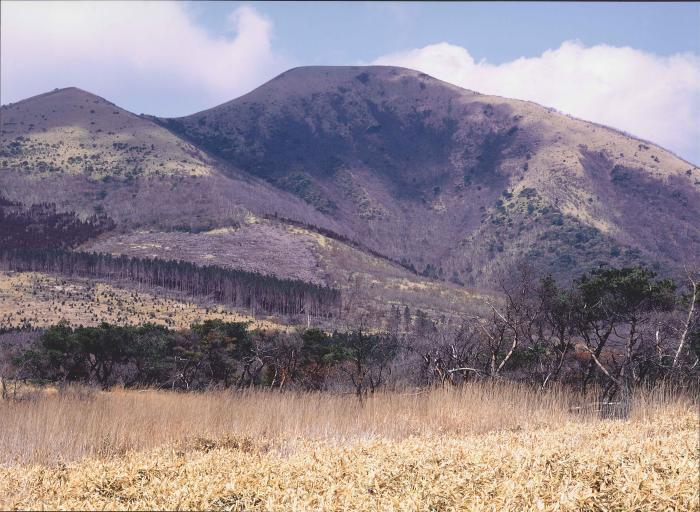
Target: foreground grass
{"x": 482, "y": 447}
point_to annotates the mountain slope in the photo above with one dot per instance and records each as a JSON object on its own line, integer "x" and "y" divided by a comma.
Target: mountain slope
{"x": 84, "y": 153}
{"x": 458, "y": 185}
{"x": 370, "y": 285}
{"x": 422, "y": 170}
{"x": 70, "y": 149}
{"x": 74, "y": 132}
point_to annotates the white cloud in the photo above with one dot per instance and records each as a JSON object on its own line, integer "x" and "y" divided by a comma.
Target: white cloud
{"x": 148, "y": 56}
{"x": 152, "y": 57}
{"x": 653, "y": 97}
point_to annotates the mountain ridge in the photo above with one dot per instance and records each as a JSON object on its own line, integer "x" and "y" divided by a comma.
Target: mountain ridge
{"x": 560, "y": 145}
{"x": 459, "y": 185}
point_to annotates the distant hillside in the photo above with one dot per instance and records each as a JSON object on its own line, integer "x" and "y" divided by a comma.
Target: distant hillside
{"x": 65, "y": 180}
{"x": 461, "y": 184}
{"x": 457, "y": 185}
{"x": 70, "y": 131}
{"x": 87, "y": 155}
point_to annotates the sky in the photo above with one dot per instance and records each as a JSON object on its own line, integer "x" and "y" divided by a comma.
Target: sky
{"x": 633, "y": 66}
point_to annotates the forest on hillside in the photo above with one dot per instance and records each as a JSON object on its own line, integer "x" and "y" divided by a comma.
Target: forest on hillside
{"x": 39, "y": 238}
{"x": 43, "y": 226}
{"x": 259, "y": 294}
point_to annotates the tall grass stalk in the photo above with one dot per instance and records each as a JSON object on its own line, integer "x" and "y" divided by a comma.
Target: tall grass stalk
{"x": 53, "y": 426}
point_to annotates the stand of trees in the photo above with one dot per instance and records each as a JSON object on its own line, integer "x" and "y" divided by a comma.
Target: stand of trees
{"x": 40, "y": 226}
{"x": 37, "y": 238}
{"x": 612, "y": 328}
{"x": 256, "y": 292}
{"x": 212, "y": 353}
{"x": 617, "y": 328}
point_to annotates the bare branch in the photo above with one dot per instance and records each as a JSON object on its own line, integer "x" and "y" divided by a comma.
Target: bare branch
{"x": 688, "y": 321}
{"x": 602, "y": 368}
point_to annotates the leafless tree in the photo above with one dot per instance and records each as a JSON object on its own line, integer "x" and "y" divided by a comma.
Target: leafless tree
{"x": 691, "y": 320}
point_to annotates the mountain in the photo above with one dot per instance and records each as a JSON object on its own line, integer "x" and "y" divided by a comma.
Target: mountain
{"x": 83, "y": 156}
{"x": 461, "y": 184}
{"x": 70, "y": 131}
{"x": 82, "y": 152}
{"x": 335, "y": 174}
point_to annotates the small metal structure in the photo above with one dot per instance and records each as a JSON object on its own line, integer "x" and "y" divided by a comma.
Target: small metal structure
{"x": 615, "y": 410}
{"x": 619, "y": 410}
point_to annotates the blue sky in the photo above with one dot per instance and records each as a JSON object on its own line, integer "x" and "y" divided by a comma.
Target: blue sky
{"x": 497, "y": 31}
{"x": 633, "y": 66}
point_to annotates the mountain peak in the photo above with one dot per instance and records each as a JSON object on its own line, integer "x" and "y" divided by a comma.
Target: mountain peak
{"x": 410, "y": 164}
{"x": 361, "y": 80}
{"x": 346, "y": 72}
{"x": 58, "y": 96}
{"x": 73, "y": 131}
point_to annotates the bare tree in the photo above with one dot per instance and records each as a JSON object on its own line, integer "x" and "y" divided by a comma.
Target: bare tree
{"x": 448, "y": 354}
{"x": 515, "y": 323}
{"x": 556, "y": 328}
{"x": 691, "y": 321}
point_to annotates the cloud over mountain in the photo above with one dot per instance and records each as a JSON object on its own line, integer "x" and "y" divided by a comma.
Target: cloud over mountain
{"x": 152, "y": 53}
{"x": 154, "y": 57}
{"x": 651, "y": 96}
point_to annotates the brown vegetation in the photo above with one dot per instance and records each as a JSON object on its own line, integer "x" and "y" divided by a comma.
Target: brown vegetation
{"x": 41, "y": 300}
{"x": 480, "y": 447}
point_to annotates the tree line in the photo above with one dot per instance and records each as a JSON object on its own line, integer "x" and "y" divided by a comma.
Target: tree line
{"x": 37, "y": 238}
{"x": 256, "y": 292}
{"x": 210, "y": 353}
{"x": 612, "y": 329}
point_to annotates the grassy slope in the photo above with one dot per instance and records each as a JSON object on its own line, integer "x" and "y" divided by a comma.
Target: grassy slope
{"x": 86, "y": 154}
{"x": 74, "y": 132}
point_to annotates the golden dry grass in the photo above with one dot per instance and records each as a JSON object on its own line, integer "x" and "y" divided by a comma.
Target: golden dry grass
{"x": 43, "y": 300}
{"x": 482, "y": 447}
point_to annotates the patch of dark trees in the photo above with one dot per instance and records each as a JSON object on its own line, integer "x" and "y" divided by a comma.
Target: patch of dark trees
{"x": 255, "y": 292}
{"x": 41, "y": 226}
{"x": 211, "y": 353}
{"x": 610, "y": 331}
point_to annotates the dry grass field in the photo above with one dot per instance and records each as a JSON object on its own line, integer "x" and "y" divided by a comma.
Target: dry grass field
{"x": 480, "y": 447}
{"x": 43, "y": 300}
